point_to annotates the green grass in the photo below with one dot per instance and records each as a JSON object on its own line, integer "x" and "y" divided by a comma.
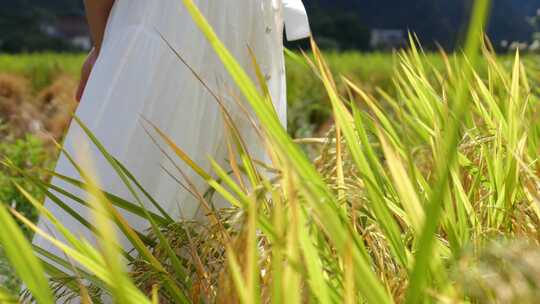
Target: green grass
{"x": 41, "y": 69}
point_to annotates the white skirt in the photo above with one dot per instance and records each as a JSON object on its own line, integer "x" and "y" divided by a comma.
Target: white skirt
{"x": 137, "y": 75}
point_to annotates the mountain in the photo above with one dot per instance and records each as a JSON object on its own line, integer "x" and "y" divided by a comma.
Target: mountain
{"x": 18, "y": 7}
{"x": 346, "y": 23}
{"x": 441, "y": 21}
{"x": 22, "y": 21}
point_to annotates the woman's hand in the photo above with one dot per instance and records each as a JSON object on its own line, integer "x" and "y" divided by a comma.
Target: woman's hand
{"x": 85, "y": 72}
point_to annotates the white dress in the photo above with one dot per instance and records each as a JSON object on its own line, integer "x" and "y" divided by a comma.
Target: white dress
{"x": 138, "y": 75}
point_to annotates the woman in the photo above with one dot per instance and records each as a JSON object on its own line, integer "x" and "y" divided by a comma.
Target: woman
{"x": 133, "y": 72}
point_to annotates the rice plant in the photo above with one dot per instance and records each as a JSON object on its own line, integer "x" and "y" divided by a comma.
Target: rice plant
{"x": 425, "y": 194}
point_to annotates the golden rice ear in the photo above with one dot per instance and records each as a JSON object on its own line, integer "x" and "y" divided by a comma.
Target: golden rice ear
{"x": 16, "y": 110}
{"x": 14, "y": 89}
{"x": 56, "y": 105}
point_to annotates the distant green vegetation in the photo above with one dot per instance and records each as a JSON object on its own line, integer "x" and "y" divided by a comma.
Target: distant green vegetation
{"x": 41, "y": 69}
{"x": 309, "y": 109}
{"x": 307, "y": 98}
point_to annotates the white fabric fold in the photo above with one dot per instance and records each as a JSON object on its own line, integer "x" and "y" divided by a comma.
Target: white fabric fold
{"x": 296, "y": 20}
{"x": 138, "y": 76}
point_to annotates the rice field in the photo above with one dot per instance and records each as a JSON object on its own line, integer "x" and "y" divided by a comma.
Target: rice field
{"x": 374, "y": 187}
{"x": 425, "y": 190}
{"x": 309, "y": 108}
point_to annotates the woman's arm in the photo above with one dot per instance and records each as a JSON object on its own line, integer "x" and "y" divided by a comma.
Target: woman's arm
{"x": 97, "y": 13}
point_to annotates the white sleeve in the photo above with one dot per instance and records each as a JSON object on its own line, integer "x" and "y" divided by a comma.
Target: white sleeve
{"x": 296, "y": 20}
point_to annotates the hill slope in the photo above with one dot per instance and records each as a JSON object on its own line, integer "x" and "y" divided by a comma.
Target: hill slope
{"x": 18, "y": 7}
{"x": 438, "y": 20}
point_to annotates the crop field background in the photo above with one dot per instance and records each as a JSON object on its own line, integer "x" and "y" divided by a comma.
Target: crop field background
{"x": 383, "y": 132}
{"x": 55, "y": 75}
